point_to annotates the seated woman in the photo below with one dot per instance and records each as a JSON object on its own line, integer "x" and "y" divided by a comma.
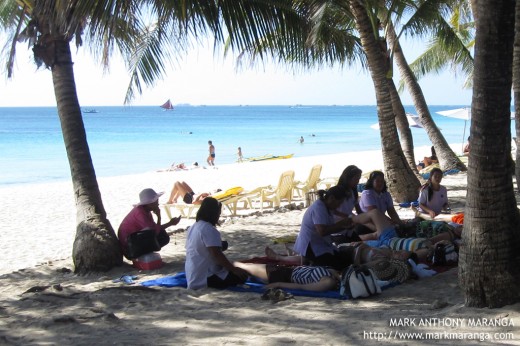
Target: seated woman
{"x": 314, "y": 241}
{"x": 433, "y": 197}
{"x": 349, "y": 179}
{"x": 308, "y": 278}
{"x": 150, "y": 235}
{"x": 376, "y": 196}
{"x": 206, "y": 265}
{"x": 466, "y": 149}
{"x": 183, "y": 190}
{"x": 428, "y": 161}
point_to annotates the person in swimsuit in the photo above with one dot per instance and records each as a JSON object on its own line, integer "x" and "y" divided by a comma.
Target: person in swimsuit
{"x": 310, "y": 278}
{"x": 182, "y": 190}
{"x": 211, "y": 157}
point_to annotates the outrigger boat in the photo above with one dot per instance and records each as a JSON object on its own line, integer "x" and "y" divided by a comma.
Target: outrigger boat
{"x": 268, "y": 157}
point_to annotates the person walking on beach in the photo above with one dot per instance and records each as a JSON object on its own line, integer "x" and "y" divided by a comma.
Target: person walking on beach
{"x": 239, "y": 154}
{"x": 211, "y": 157}
{"x": 139, "y": 234}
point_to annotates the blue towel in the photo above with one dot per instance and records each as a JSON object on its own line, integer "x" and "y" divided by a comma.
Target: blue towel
{"x": 179, "y": 280}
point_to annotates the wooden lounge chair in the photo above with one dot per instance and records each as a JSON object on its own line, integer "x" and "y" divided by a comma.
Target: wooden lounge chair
{"x": 302, "y": 187}
{"x": 284, "y": 190}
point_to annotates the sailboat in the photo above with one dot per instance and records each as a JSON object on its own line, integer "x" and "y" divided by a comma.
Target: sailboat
{"x": 167, "y": 105}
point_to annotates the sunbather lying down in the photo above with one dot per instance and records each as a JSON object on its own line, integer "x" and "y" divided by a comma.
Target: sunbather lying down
{"x": 182, "y": 190}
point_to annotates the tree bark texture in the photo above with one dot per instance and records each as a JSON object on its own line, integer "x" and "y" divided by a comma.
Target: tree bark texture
{"x": 489, "y": 267}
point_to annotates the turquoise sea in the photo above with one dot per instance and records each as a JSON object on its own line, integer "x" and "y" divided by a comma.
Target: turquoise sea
{"x": 128, "y": 140}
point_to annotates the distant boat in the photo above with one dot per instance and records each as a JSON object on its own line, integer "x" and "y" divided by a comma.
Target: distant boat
{"x": 167, "y": 105}
{"x": 90, "y": 110}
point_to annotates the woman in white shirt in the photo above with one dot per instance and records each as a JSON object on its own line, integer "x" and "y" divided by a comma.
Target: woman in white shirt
{"x": 206, "y": 264}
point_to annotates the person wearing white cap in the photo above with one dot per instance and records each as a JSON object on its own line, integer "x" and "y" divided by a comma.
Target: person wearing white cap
{"x": 139, "y": 233}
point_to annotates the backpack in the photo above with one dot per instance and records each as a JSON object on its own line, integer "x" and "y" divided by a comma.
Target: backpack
{"x": 358, "y": 281}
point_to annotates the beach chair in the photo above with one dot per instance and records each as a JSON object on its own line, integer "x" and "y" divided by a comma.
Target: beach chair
{"x": 283, "y": 191}
{"x": 302, "y": 187}
{"x": 326, "y": 183}
{"x": 186, "y": 210}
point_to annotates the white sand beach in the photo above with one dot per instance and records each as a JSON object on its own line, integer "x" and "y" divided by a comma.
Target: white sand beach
{"x": 43, "y": 302}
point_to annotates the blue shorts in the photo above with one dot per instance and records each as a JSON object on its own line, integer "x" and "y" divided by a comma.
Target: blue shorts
{"x": 384, "y": 238}
{"x": 212, "y": 155}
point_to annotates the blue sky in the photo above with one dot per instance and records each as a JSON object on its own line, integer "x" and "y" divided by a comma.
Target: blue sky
{"x": 204, "y": 79}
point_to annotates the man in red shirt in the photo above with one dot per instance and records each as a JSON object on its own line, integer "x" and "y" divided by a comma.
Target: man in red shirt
{"x": 149, "y": 235}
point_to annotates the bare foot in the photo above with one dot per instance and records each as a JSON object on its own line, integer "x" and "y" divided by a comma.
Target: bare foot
{"x": 270, "y": 253}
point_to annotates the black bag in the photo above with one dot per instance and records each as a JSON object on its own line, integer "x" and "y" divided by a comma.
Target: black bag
{"x": 141, "y": 243}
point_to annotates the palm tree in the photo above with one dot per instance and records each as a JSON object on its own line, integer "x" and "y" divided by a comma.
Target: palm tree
{"x": 402, "y": 182}
{"x": 331, "y": 38}
{"x": 489, "y": 266}
{"x": 447, "y": 158}
{"x": 50, "y": 26}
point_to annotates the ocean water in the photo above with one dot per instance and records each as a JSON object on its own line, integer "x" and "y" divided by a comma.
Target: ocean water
{"x": 128, "y": 140}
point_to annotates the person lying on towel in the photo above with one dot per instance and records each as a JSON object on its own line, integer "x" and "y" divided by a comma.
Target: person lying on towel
{"x": 386, "y": 236}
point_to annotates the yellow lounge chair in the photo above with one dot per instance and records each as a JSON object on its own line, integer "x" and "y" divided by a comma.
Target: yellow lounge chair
{"x": 228, "y": 198}
{"x": 273, "y": 197}
{"x": 302, "y": 187}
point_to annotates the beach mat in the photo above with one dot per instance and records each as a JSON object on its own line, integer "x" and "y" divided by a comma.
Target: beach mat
{"x": 179, "y": 280}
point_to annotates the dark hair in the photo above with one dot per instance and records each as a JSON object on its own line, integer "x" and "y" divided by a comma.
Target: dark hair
{"x": 345, "y": 177}
{"x": 209, "y": 211}
{"x": 434, "y": 154}
{"x": 428, "y": 184}
{"x": 370, "y": 182}
{"x": 338, "y": 192}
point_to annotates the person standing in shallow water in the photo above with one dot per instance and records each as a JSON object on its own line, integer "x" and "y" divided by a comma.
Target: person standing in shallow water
{"x": 211, "y": 157}
{"x": 240, "y": 156}
{"x": 302, "y": 140}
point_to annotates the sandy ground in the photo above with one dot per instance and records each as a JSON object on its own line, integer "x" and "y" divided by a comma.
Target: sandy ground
{"x": 45, "y": 303}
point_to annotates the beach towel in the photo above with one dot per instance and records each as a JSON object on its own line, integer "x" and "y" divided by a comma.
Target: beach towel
{"x": 179, "y": 280}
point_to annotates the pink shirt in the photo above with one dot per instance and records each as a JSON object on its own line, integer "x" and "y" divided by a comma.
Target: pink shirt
{"x": 137, "y": 220}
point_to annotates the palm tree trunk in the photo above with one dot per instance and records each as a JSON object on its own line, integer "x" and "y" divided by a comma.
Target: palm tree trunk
{"x": 405, "y": 134}
{"x": 516, "y": 91}
{"x": 489, "y": 267}
{"x": 96, "y": 247}
{"x": 402, "y": 183}
{"x": 447, "y": 158}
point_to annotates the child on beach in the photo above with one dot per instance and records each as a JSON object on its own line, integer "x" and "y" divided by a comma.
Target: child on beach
{"x": 206, "y": 265}
{"x": 239, "y": 155}
{"x": 376, "y": 196}
{"x": 140, "y": 221}
{"x": 433, "y": 197}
